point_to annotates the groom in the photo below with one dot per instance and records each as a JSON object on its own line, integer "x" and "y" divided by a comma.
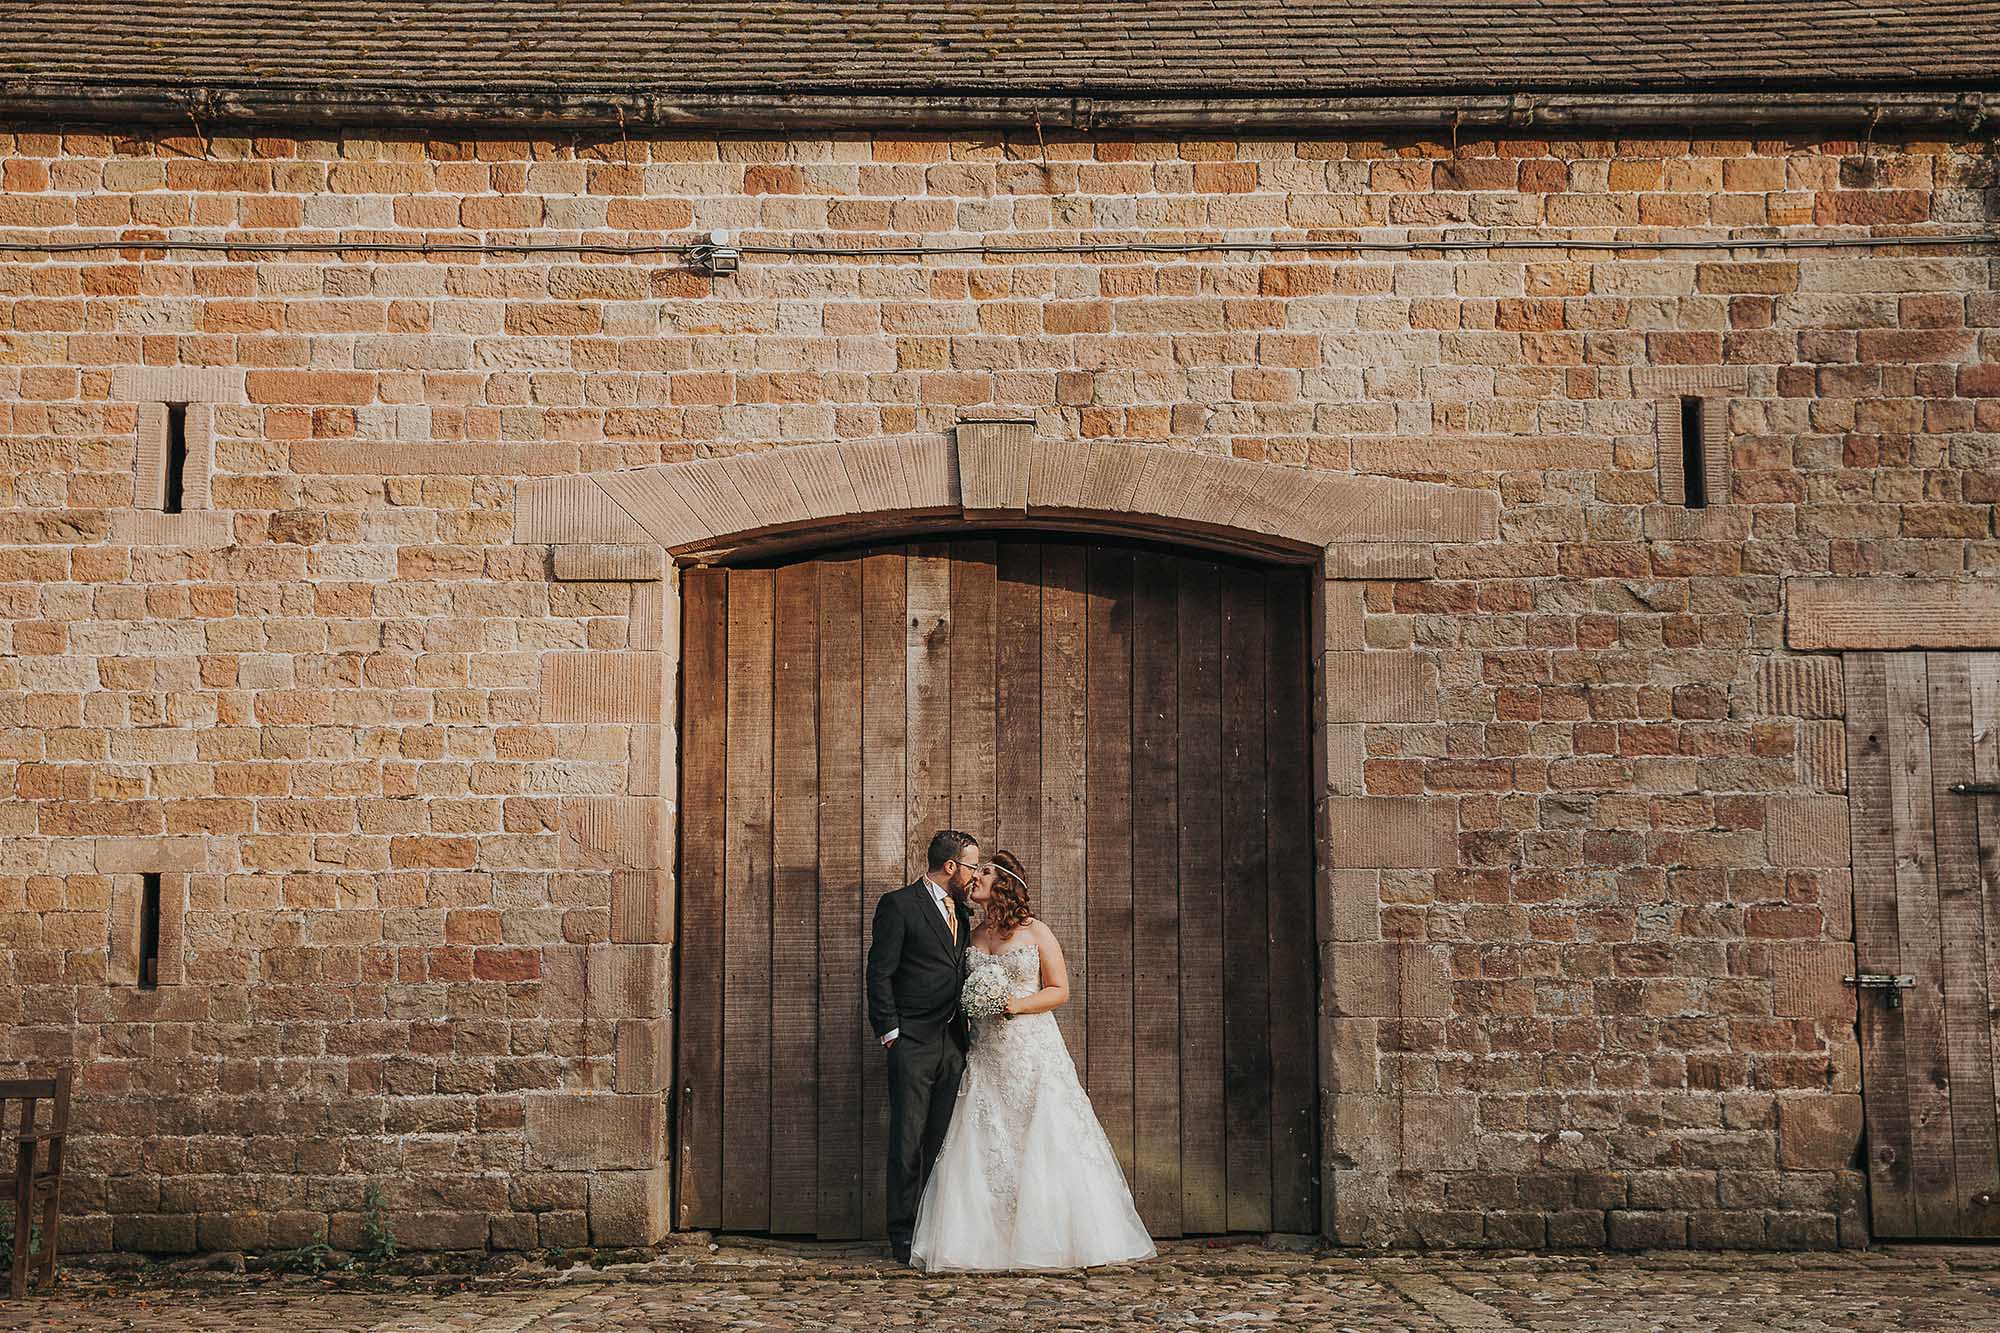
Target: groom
{"x": 915, "y": 968}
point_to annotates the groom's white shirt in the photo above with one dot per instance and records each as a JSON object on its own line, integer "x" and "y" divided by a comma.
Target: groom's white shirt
{"x": 943, "y": 902}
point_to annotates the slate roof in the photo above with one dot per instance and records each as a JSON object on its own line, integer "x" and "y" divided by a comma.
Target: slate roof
{"x": 297, "y": 52}
{"x": 1249, "y": 46}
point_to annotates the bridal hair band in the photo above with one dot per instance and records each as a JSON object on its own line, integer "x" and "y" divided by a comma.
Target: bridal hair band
{"x": 1009, "y": 874}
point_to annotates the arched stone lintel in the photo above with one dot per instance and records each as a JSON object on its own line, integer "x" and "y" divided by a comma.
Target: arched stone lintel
{"x": 995, "y": 470}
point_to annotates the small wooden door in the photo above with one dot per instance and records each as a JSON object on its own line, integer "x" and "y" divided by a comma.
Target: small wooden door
{"x": 1927, "y": 906}
{"x": 1132, "y": 724}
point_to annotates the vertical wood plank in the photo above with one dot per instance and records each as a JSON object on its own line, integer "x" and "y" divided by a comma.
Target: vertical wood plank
{"x": 1985, "y": 671}
{"x": 1871, "y": 815}
{"x": 746, "y": 986}
{"x": 974, "y": 590}
{"x": 928, "y": 684}
{"x": 1204, "y": 1172}
{"x": 1932, "y": 1178}
{"x": 1108, "y": 843}
{"x": 794, "y": 1011}
{"x": 698, "y": 1017}
{"x": 1246, "y": 1025}
{"x": 1288, "y": 847}
{"x": 1156, "y": 924}
{"x": 844, "y": 1041}
{"x": 1017, "y": 652}
{"x": 1064, "y": 670}
{"x": 1968, "y": 1025}
{"x": 884, "y": 820}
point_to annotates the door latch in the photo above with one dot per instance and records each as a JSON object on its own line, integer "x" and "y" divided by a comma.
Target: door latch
{"x": 1974, "y": 789}
{"x": 1895, "y": 983}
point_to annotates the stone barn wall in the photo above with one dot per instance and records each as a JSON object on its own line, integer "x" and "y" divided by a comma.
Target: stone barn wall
{"x": 1590, "y": 993}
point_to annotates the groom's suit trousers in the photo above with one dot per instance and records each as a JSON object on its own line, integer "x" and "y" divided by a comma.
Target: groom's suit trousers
{"x": 916, "y": 964}
{"x": 923, "y": 1083}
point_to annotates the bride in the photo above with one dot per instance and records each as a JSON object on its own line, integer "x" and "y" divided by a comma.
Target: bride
{"x": 1026, "y": 1178}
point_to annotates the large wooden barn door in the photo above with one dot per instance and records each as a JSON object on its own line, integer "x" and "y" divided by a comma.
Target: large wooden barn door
{"x": 1131, "y": 724}
{"x": 1923, "y": 744}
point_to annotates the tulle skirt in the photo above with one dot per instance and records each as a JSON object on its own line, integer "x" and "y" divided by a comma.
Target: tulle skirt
{"x": 1026, "y": 1177}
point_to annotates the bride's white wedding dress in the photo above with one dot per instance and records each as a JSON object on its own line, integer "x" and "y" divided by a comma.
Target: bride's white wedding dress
{"x": 1026, "y": 1178}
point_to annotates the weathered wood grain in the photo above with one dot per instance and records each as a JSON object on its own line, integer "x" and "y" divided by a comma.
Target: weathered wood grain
{"x": 884, "y": 708}
{"x": 1964, "y": 945}
{"x": 844, "y": 1042}
{"x": 1017, "y": 652}
{"x": 1108, "y": 844}
{"x": 974, "y": 589}
{"x": 704, "y": 766}
{"x": 928, "y": 650}
{"x": 1294, "y": 1094}
{"x": 1246, "y": 1019}
{"x": 1932, "y": 1175}
{"x": 1204, "y": 1167}
{"x": 795, "y": 969}
{"x": 1064, "y": 670}
{"x": 746, "y": 905}
{"x": 1156, "y": 925}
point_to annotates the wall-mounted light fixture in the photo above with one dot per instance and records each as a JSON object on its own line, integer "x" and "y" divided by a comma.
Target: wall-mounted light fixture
{"x": 715, "y": 256}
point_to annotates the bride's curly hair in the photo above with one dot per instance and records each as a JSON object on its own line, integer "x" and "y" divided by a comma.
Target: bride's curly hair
{"x": 1008, "y": 909}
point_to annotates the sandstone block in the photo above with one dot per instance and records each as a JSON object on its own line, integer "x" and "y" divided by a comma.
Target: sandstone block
{"x": 1342, "y": 763}
{"x": 660, "y": 501}
{"x": 1806, "y": 979}
{"x": 1362, "y": 1133}
{"x": 642, "y": 907}
{"x": 1823, "y": 756}
{"x": 608, "y": 563}
{"x": 645, "y": 1055}
{"x": 310, "y": 387}
{"x": 1342, "y": 625}
{"x": 1390, "y": 831}
{"x": 1799, "y": 687}
{"x": 1819, "y": 1131}
{"x": 993, "y": 459}
{"x": 177, "y": 384}
{"x": 122, "y": 856}
{"x": 587, "y": 1131}
{"x": 1383, "y": 509}
{"x": 200, "y": 530}
{"x": 1380, "y": 686}
{"x": 573, "y": 510}
{"x": 630, "y": 980}
{"x": 629, "y": 1207}
{"x": 1631, "y": 1230}
{"x": 1350, "y": 904}
{"x": 1379, "y": 560}
{"x": 611, "y": 832}
{"x": 1438, "y": 1133}
{"x": 1808, "y": 831}
{"x": 1891, "y": 613}
{"x": 1388, "y": 979}
{"x": 604, "y": 686}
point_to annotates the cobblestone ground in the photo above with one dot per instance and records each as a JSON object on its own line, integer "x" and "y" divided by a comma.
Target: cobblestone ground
{"x": 697, "y": 1290}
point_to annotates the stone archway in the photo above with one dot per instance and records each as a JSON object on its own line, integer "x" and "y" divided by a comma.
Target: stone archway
{"x": 640, "y": 526}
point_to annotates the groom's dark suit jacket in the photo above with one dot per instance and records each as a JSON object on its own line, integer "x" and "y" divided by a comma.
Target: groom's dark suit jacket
{"x": 914, "y": 969}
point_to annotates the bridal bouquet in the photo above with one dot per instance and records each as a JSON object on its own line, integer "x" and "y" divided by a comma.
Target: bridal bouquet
{"x": 985, "y": 992}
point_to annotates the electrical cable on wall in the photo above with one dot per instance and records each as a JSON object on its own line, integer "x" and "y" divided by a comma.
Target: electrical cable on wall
{"x": 1001, "y": 250}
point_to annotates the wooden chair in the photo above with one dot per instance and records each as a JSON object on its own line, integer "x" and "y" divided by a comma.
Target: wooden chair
{"x": 29, "y": 1181}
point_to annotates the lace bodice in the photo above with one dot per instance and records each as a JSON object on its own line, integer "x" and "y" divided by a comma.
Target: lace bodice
{"x": 1022, "y": 963}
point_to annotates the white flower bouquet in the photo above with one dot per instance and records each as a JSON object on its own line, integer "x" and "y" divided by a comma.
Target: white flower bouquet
{"x": 985, "y": 992}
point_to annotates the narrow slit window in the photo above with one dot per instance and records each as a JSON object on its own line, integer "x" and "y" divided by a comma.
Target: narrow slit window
{"x": 176, "y": 460}
{"x": 1694, "y": 460}
{"x": 149, "y": 933}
